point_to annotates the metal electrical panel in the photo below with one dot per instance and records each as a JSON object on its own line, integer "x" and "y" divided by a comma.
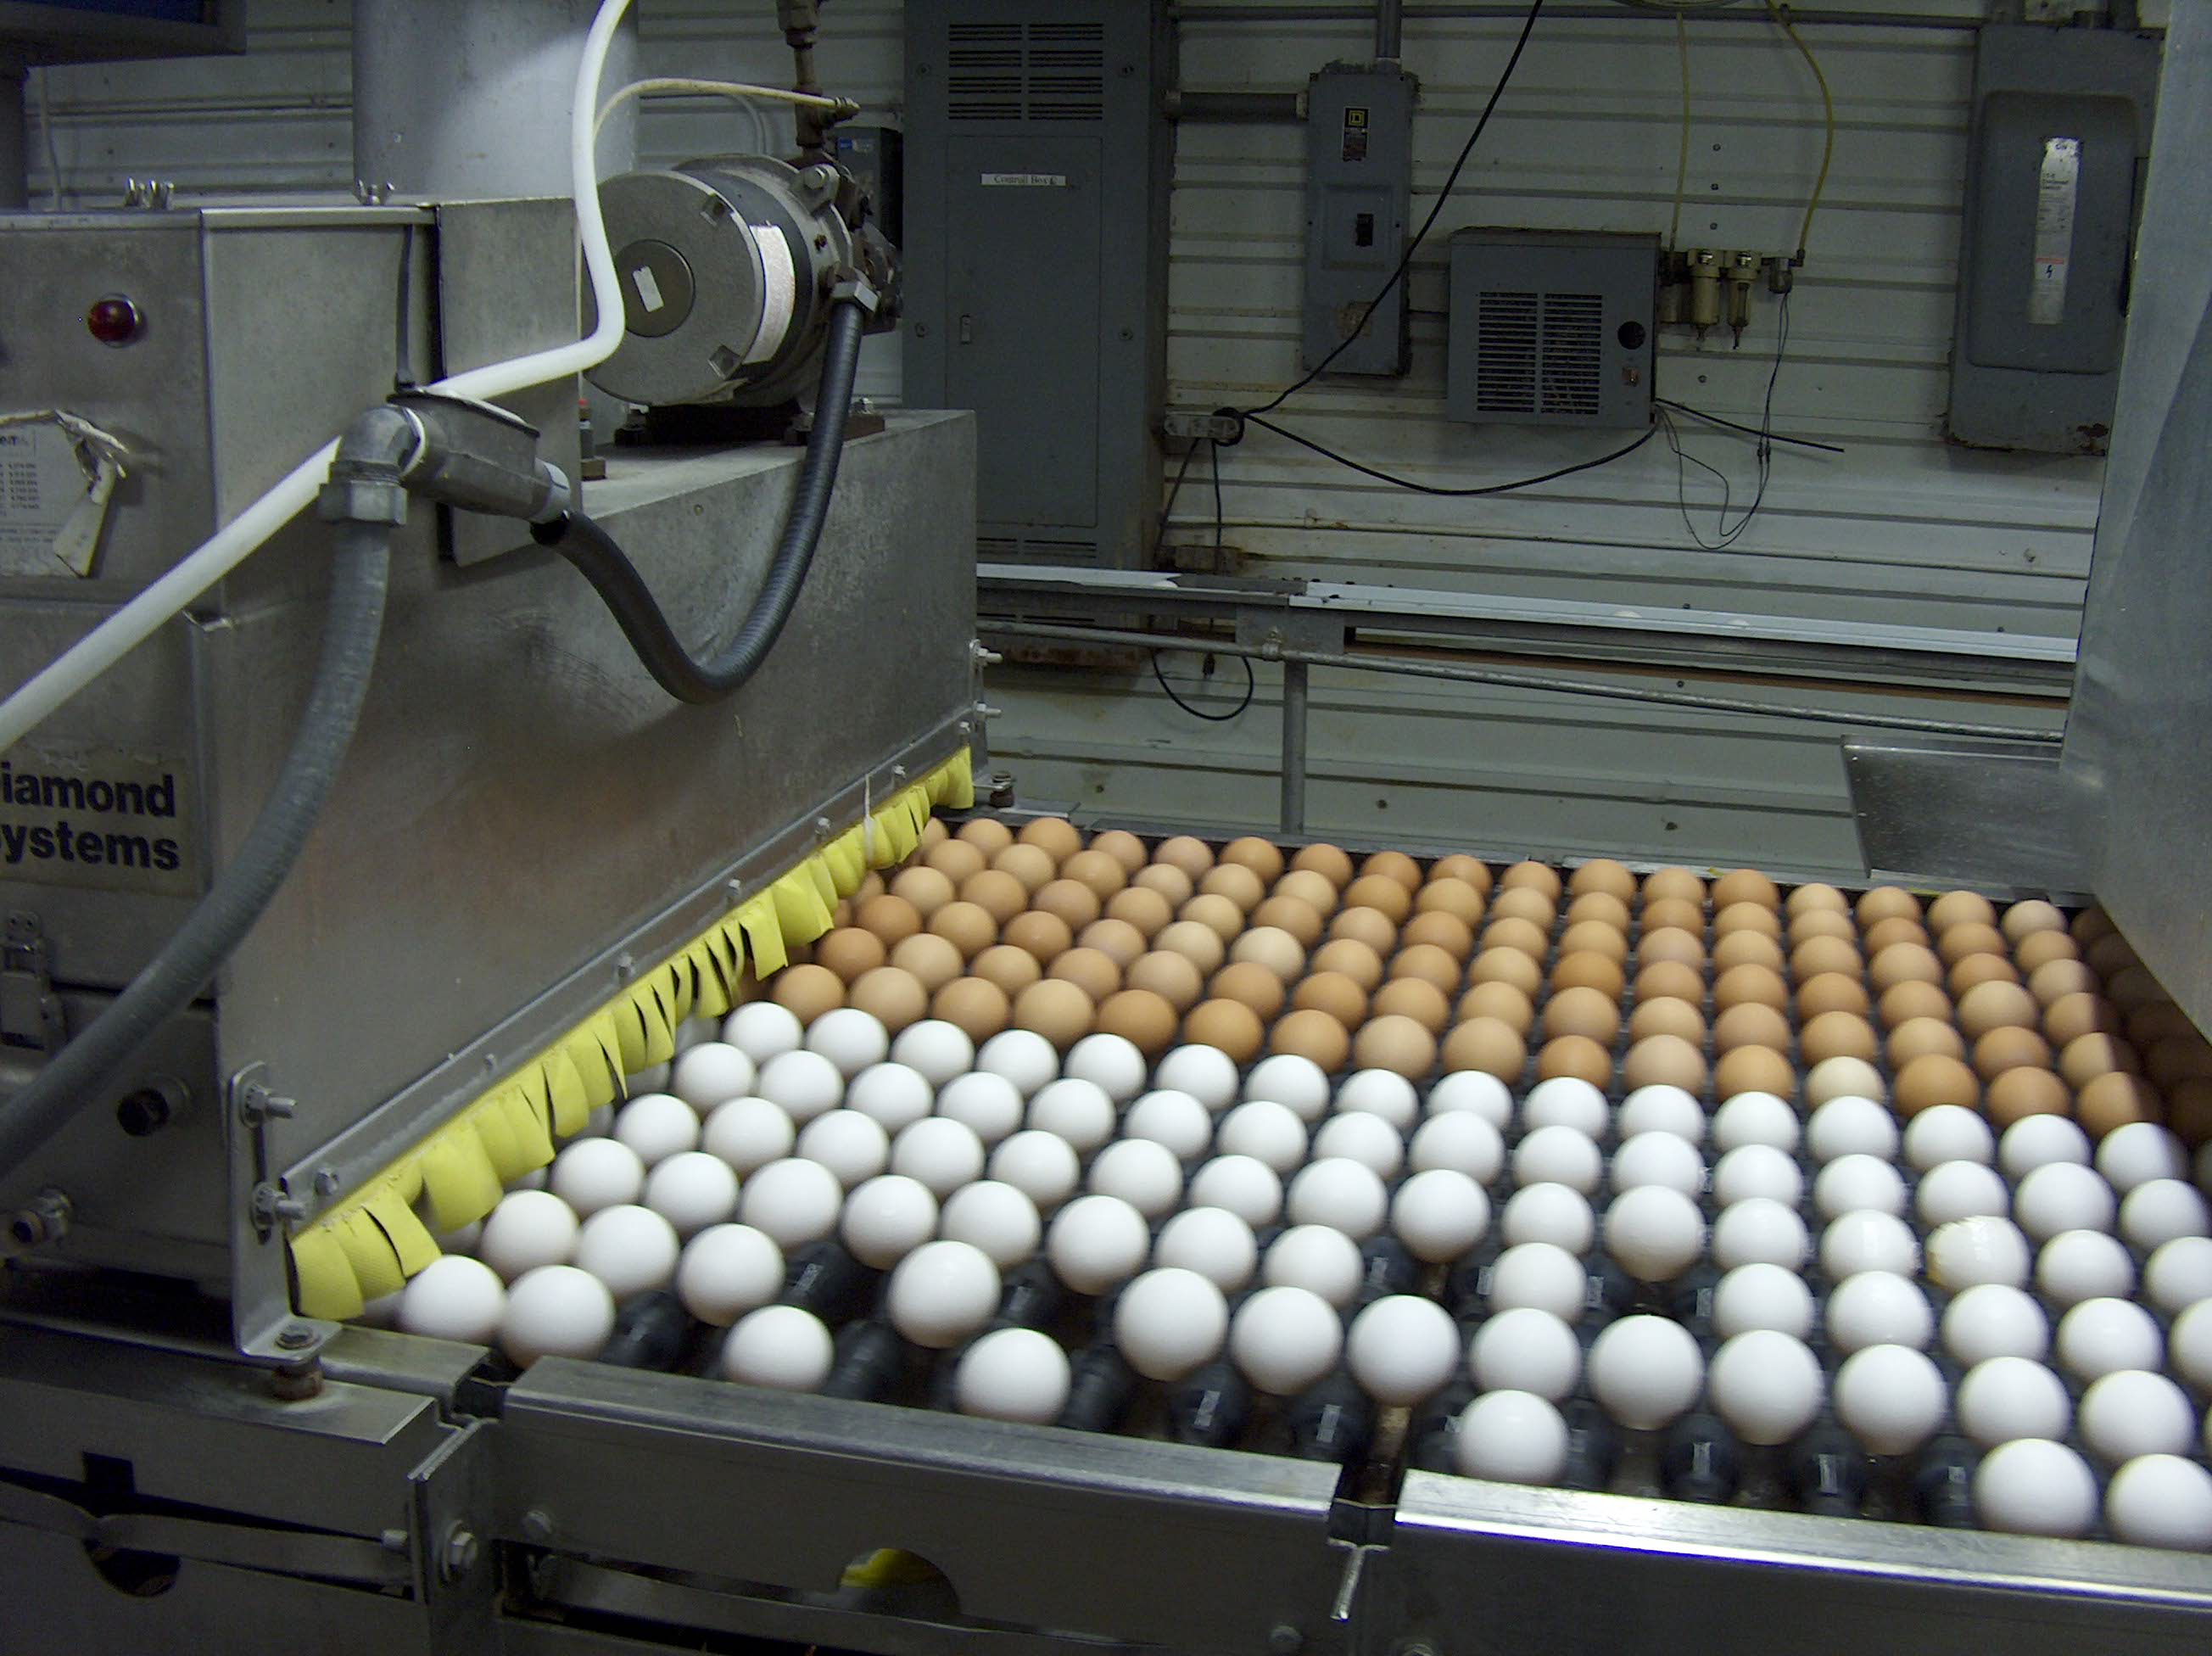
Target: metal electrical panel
{"x": 2061, "y": 119}
{"x": 1550, "y": 327}
{"x": 1360, "y": 170}
{"x": 1036, "y": 262}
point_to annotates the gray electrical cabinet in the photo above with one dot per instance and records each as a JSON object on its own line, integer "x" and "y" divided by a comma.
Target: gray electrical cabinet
{"x": 2062, "y": 119}
{"x": 1359, "y": 181}
{"x": 1550, "y": 327}
{"x": 1035, "y": 266}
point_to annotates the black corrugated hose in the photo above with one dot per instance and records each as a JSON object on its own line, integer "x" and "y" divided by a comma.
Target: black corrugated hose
{"x": 594, "y": 552}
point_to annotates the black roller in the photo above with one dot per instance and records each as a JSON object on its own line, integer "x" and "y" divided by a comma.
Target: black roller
{"x": 1701, "y": 1461}
{"x": 1211, "y": 1408}
{"x": 1387, "y": 1269}
{"x": 824, "y": 1278}
{"x": 1434, "y": 1433}
{"x": 652, "y": 1331}
{"x": 1032, "y": 1296}
{"x": 1827, "y": 1471}
{"x": 1334, "y": 1420}
{"x": 871, "y": 1359}
{"x": 1099, "y": 1388}
{"x": 1943, "y": 1483}
{"x": 1593, "y": 1447}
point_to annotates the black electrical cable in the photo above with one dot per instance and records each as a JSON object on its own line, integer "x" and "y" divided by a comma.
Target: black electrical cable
{"x": 1251, "y": 683}
{"x": 1381, "y": 476}
{"x": 1728, "y": 534}
{"x": 601, "y": 560}
{"x": 1748, "y": 430}
{"x": 1251, "y": 689}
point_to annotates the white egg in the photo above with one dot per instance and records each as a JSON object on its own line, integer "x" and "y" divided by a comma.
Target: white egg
{"x": 2162, "y": 1500}
{"x": 942, "y": 1293}
{"x": 935, "y": 1049}
{"x": 1867, "y": 1241}
{"x": 1266, "y": 1132}
{"x": 1760, "y": 1231}
{"x": 989, "y": 1105}
{"x": 1211, "y": 1241}
{"x": 1858, "y": 1182}
{"x": 793, "y": 1201}
{"x": 803, "y": 1085}
{"x": 657, "y": 1125}
{"x": 711, "y": 1073}
{"x": 1077, "y": 1110}
{"x": 528, "y": 1229}
{"x": 2192, "y": 1347}
{"x": 1297, "y": 1083}
{"x": 2078, "y": 1265}
{"x": 1170, "y": 1321}
{"x": 1283, "y": 1338}
{"x": 1180, "y": 1122}
{"x": 780, "y": 1347}
{"x": 1850, "y": 1126}
{"x": 1461, "y": 1141}
{"x": 1890, "y": 1397}
{"x": 995, "y": 1217}
{"x": 1539, "y": 1275}
{"x": 2131, "y": 1412}
{"x": 727, "y": 1270}
{"x": 1247, "y": 1187}
{"x": 1993, "y": 1319}
{"x": 1875, "y": 1308}
{"x": 1549, "y": 1213}
{"x": 887, "y": 1218}
{"x": 1145, "y": 1175}
{"x": 2063, "y": 1196}
{"x": 1020, "y": 1056}
{"x": 1474, "y": 1092}
{"x": 1766, "y": 1384}
{"x": 1318, "y": 1258}
{"x": 694, "y": 1032}
{"x": 1109, "y": 1063}
{"x": 1042, "y": 1167}
{"x": 1510, "y": 1437}
{"x": 1206, "y": 1073}
{"x": 382, "y": 1311}
{"x": 632, "y": 1249}
{"x": 1645, "y": 1372}
{"x": 1654, "y": 1233}
{"x": 535, "y": 1179}
{"x": 654, "y": 1078}
{"x": 2101, "y": 1337}
{"x": 462, "y": 1239}
{"x": 599, "y": 1124}
{"x": 2036, "y": 1141}
{"x": 762, "y": 1029}
{"x": 748, "y": 1133}
{"x": 453, "y": 1298}
{"x": 1345, "y": 1195}
{"x": 2034, "y": 1487}
{"x": 2139, "y": 1152}
{"x": 1662, "y": 1110}
{"x": 1439, "y": 1215}
{"x": 1660, "y": 1158}
{"x": 1755, "y": 1118}
{"x": 1564, "y": 1101}
{"x": 891, "y": 1095}
{"x": 1359, "y": 1136}
{"x": 1401, "y": 1349}
{"x": 1758, "y": 1170}
{"x": 1097, "y": 1241}
{"x": 1381, "y": 1093}
{"x": 2159, "y": 1210}
{"x": 1959, "y": 1189}
{"x": 1947, "y": 1133}
{"x": 556, "y": 1311}
{"x": 1525, "y": 1350}
{"x": 1968, "y": 1252}
{"x": 1013, "y": 1374}
{"x": 850, "y": 1039}
{"x": 1762, "y": 1296}
{"x": 941, "y": 1152}
{"x": 852, "y": 1146}
{"x": 2178, "y": 1274}
{"x": 1559, "y": 1155}
{"x": 692, "y": 1191}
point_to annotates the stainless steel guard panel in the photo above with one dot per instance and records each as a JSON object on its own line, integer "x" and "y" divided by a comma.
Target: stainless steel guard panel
{"x": 1996, "y": 817}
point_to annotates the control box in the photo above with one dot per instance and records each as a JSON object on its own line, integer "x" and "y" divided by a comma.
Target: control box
{"x": 1359, "y": 181}
{"x": 1550, "y": 327}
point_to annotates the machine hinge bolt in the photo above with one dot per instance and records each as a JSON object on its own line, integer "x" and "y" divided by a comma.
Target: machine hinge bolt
{"x": 985, "y": 710}
{"x": 822, "y": 825}
{"x": 257, "y": 1104}
{"x": 458, "y": 1556}
{"x": 44, "y": 1218}
{"x": 625, "y": 967}
{"x": 271, "y": 1205}
{"x": 538, "y": 1526}
{"x": 898, "y": 773}
{"x": 1285, "y": 1639}
{"x": 294, "y": 1336}
{"x": 326, "y": 1181}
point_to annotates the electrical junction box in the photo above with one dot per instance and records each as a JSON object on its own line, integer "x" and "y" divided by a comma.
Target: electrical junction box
{"x": 875, "y": 155}
{"x": 1550, "y": 327}
{"x": 1359, "y": 172}
{"x": 2062, "y": 119}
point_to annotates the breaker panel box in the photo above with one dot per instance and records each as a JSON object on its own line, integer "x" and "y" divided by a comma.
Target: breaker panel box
{"x": 1359, "y": 172}
{"x": 1550, "y": 327}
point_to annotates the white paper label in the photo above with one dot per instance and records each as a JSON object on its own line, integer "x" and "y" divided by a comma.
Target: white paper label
{"x": 42, "y": 484}
{"x": 2055, "y": 197}
{"x": 1026, "y": 180}
{"x": 780, "y": 303}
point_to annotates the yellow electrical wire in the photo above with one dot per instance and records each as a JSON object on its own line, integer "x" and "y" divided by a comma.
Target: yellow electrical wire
{"x": 717, "y": 88}
{"x": 1682, "y": 161}
{"x": 1780, "y": 12}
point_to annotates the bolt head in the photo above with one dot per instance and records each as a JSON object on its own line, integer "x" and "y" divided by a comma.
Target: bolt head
{"x": 1285, "y": 1639}
{"x": 295, "y": 1337}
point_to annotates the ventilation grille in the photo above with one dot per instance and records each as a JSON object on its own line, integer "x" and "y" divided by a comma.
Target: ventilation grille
{"x": 1041, "y": 72}
{"x": 1539, "y": 353}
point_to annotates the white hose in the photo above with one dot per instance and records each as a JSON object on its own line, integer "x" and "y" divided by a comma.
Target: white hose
{"x": 230, "y": 545}
{"x": 668, "y": 85}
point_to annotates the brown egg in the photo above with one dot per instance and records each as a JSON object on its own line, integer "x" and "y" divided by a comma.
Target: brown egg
{"x": 1011, "y": 969}
{"x": 849, "y": 952}
{"x": 1955, "y": 943}
{"x": 1831, "y": 991}
{"x": 1117, "y": 940}
{"x": 2040, "y": 948}
{"x": 1340, "y": 997}
{"x": 1056, "y": 837}
{"x": 1045, "y": 936}
{"x": 1664, "y": 1061}
{"x": 2112, "y": 956}
{"x": 1459, "y": 866}
{"x": 1394, "y": 864}
{"x": 1887, "y": 902}
{"x": 1030, "y": 864}
{"x": 1837, "y": 1034}
{"x": 1673, "y": 914}
{"x": 1576, "y": 1055}
{"x": 2019, "y": 1094}
{"x": 1670, "y": 980}
{"x": 1669, "y": 943}
{"x": 986, "y": 834}
{"x": 1102, "y": 872}
{"x": 1896, "y": 929}
{"x": 930, "y": 961}
{"x": 806, "y": 992}
{"x": 1218, "y": 913}
{"x": 1749, "y": 1023}
{"x": 893, "y": 919}
{"x": 1140, "y": 1018}
{"x": 1518, "y": 934}
{"x": 1413, "y": 997}
{"x": 1141, "y": 907}
{"x": 1231, "y": 1025}
{"x": 1306, "y": 887}
{"x": 2055, "y": 979}
{"x": 841, "y": 916}
{"x": 2025, "y": 919}
{"x": 997, "y": 893}
{"x": 2113, "y": 1099}
{"x": 871, "y": 885}
{"x": 1986, "y": 1005}
{"x": 1676, "y": 884}
{"x": 1170, "y": 881}
{"x": 1746, "y": 949}
{"x": 1092, "y": 973}
{"x": 1979, "y": 969}
{"x": 1258, "y": 855}
{"x": 1524, "y": 903}
{"x": 1604, "y": 877}
{"x": 1816, "y": 956}
{"x": 799, "y": 954}
{"x": 2133, "y": 986}
{"x": 1506, "y": 967}
{"x": 1236, "y": 882}
{"x": 1932, "y": 1079}
{"x": 957, "y": 859}
{"x": 1069, "y": 900}
{"x": 1350, "y": 958}
{"x": 1536, "y": 875}
{"x": 1741, "y": 984}
{"x": 1582, "y": 1012}
{"x": 1382, "y": 894}
{"x": 1746, "y": 886}
{"x": 975, "y": 1006}
{"x": 1746, "y": 917}
{"x": 1327, "y": 861}
{"x": 1124, "y": 847}
{"x": 1916, "y": 1036}
{"x": 967, "y": 926}
{"x": 1057, "y": 1009}
{"x": 1437, "y": 929}
{"x": 1192, "y": 856}
{"x": 1197, "y": 942}
{"x": 1822, "y": 923}
{"x": 1587, "y": 969}
{"x": 1960, "y": 908}
{"x": 1599, "y": 906}
{"x": 1499, "y": 1001}
{"x": 2154, "y": 1021}
{"x": 1369, "y": 926}
{"x": 1911, "y": 999}
{"x": 1754, "y": 1069}
{"x": 1433, "y": 965}
{"x": 2071, "y": 1017}
{"x": 1286, "y": 914}
{"x": 1667, "y": 1016}
{"x": 1272, "y": 948}
{"x": 2010, "y": 1047}
{"x": 893, "y": 998}
{"x": 2089, "y": 925}
{"x": 2188, "y": 1111}
{"x": 2085, "y": 1057}
{"x": 1168, "y": 975}
{"x": 1314, "y": 1036}
{"x": 1816, "y": 898}
{"x": 1903, "y": 962}
{"x": 1595, "y": 937}
{"x": 1486, "y": 1045}
{"x": 1254, "y": 985}
{"x": 927, "y": 889}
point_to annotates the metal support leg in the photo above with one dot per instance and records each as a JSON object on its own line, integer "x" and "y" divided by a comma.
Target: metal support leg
{"x": 1388, "y": 24}
{"x": 15, "y": 137}
{"x": 1294, "y": 747}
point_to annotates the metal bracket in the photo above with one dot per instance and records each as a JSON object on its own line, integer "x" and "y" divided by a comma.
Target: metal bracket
{"x": 30, "y": 1011}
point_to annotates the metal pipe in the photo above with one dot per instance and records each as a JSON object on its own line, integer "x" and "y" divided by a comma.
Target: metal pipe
{"x": 1389, "y": 28}
{"x": 1424, "y": 669}
{"x": 1281, "y": 108}
{"x": 1610, "y": 13}
{"x": 15, "y": 137}
{"x": 1295, "y": 673}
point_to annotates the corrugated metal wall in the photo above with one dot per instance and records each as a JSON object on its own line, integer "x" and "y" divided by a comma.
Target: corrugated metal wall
{"x": 1902, "y": 527}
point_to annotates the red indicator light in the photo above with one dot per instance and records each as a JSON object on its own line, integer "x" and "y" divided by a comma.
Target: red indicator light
{"x": 113, "y": 321}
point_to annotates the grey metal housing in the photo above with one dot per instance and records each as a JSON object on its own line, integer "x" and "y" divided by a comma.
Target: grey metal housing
{"x": 1550, "y": 327}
